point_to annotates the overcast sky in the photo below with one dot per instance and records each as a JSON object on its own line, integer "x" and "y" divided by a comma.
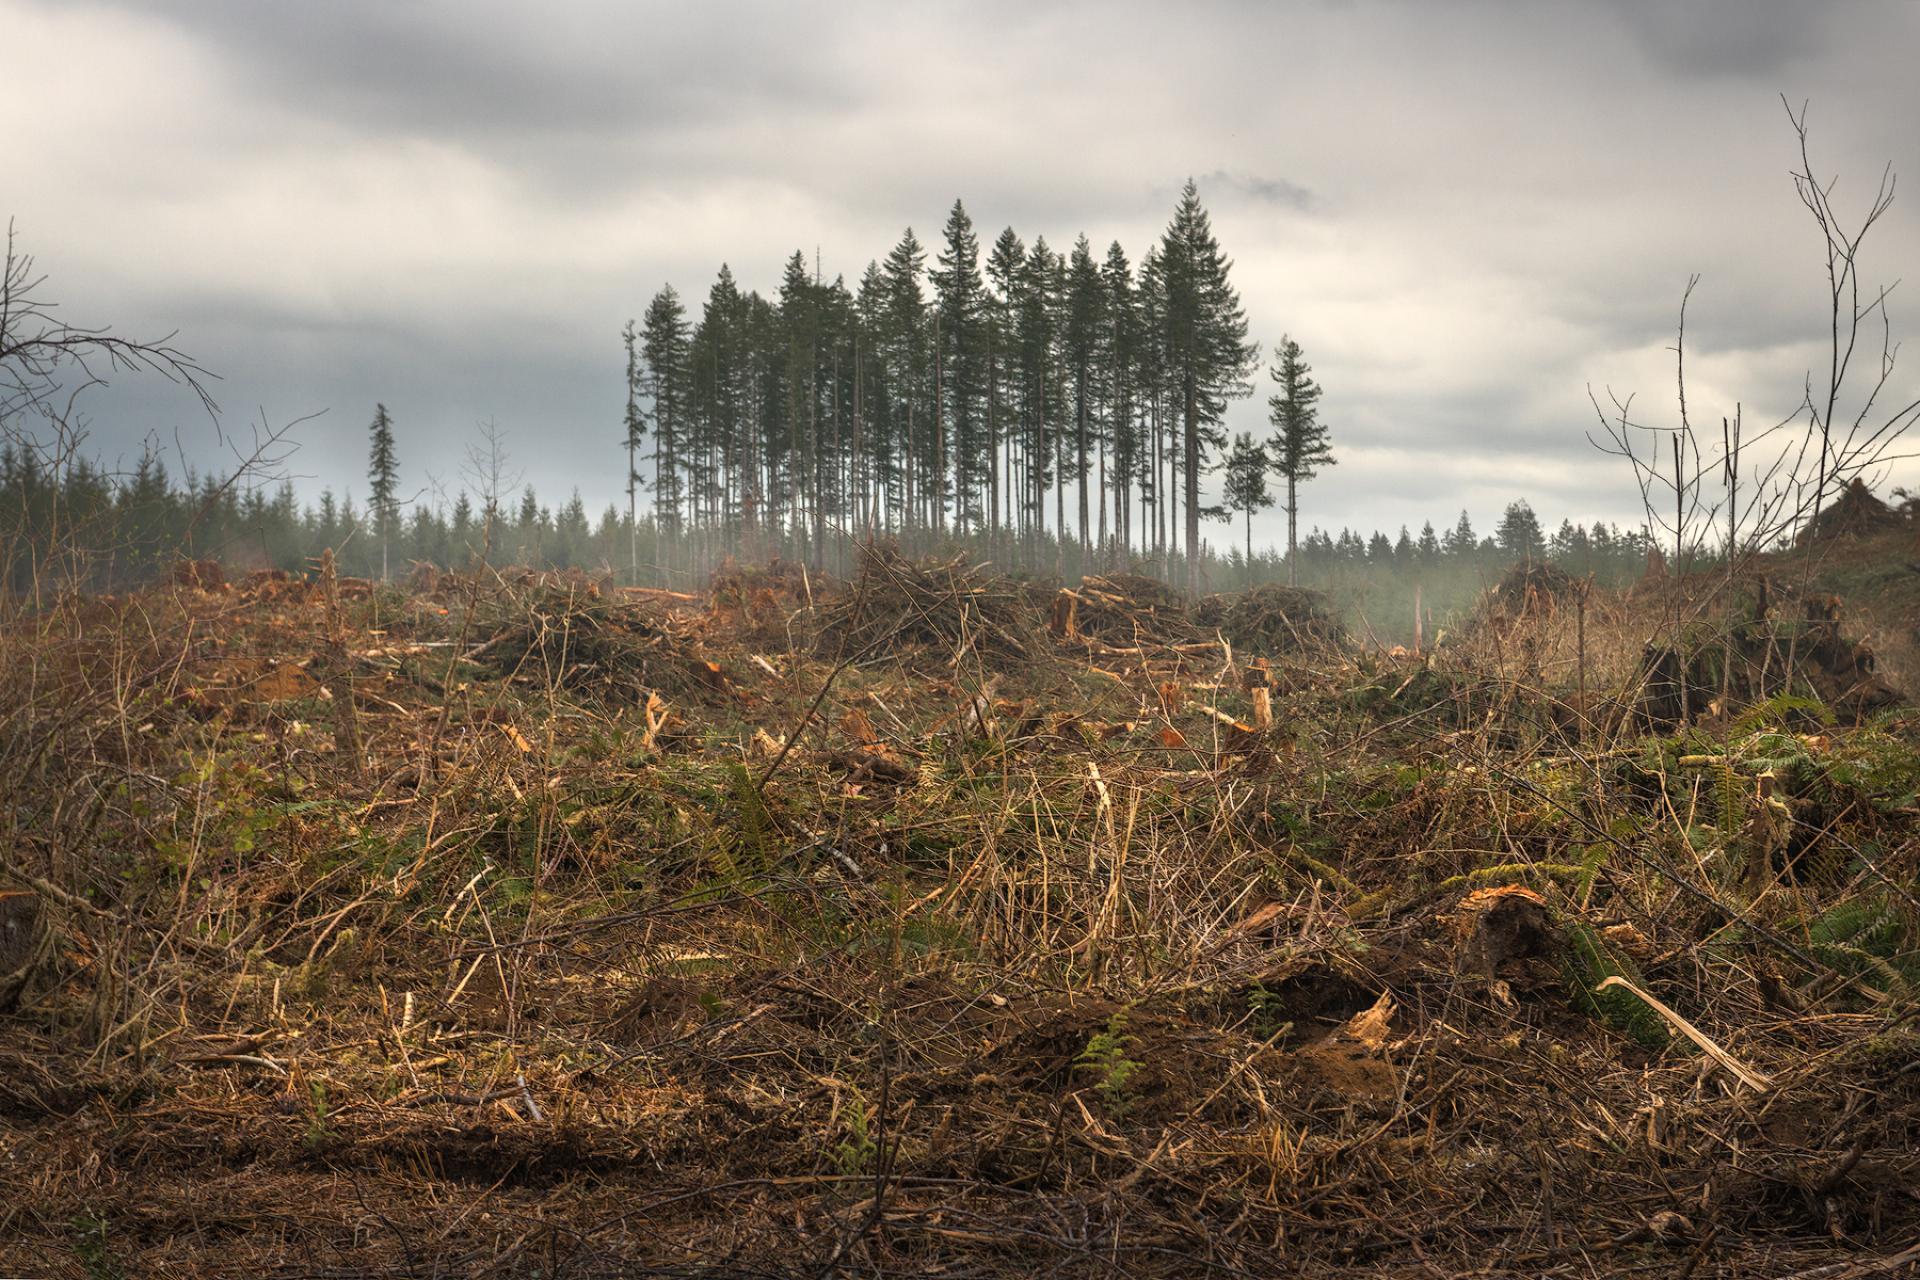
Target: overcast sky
{"x": 1466, "y": 213}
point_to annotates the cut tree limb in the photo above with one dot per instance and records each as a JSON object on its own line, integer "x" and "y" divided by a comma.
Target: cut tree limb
{"x": 1747, "y": 1075}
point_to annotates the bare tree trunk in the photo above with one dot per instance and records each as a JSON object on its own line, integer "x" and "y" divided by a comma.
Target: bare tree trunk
{"x": 1192, "y": 479}
{"x": 1293, "y": 525}
{"x": 937, "y": 498}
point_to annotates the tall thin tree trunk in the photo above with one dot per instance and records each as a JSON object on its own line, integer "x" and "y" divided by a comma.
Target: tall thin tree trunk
{"x": 939, "y": 430}
{"x": 1293, "y": 525}
{"x": 993, "y": 440}
{"x": 1192, "y": 495}
{"x": 1080, "y": 459}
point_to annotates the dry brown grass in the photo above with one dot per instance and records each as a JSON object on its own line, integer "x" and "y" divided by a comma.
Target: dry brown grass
{"x": 1016, "y": 961}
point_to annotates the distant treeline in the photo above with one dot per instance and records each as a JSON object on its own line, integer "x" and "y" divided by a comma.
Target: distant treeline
{"x": 79, "y": 524}
{"x": 1053, "y": 412}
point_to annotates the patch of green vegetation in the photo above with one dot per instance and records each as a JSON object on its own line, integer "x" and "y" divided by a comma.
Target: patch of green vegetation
{"x": 1266, "y": 1008}
{"x": 1393, "y": 692}
{"x": 752, "y": 824}
{"x": 1871, "y": 937}
{"x": 513, "y": 893}
{"x": 1879, "y": 769}
{"x": 855, "y": 1152}
{"x": 1300, "y": 860}
{"x": 319, "y": 1116}
{"x": 1897, "y": 1047}
{"x": 91, "y": 1246}
{"x": 1527, "y": 873}
{"x": 1782, "y": 709}
{"x": 1107, "y": 1060}
{"x": 1588, "y": 961}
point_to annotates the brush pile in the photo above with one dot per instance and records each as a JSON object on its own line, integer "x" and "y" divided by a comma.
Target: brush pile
{"x": 943, "y": 608}
{"x": 1531, "y": 589}
{"x": 1856, "y": 513}
{"x": 1125, "y": 609}
{"x": 570, "y": 635}
{"x": 766, "y": 601}
{"x": 200, "y": 575}
{"x": 1274, "y": 619}
{"x": 1762, "y": 659}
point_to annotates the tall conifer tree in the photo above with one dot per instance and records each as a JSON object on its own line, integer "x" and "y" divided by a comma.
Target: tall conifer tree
{"x": 1247, "y": 483}
{"x": 1121, "y": 354}
{"x": 1208, "y": 355}
{"x": 906, "y": 371}
{"x": 1084, "y": 308}
{"x": 383, "y": 479}
{"x": 665, "y": 346}
{"x": 1006, "y": 270}
{"x": 636, "y": 427}
{"x": 961, "y": 304}
{"x": 1299, "y": 445}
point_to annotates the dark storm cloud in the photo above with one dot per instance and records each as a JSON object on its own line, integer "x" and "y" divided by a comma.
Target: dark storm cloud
{"x": 1758, "y": 39}
{"x": 1266, "y": 190}
{"x": 482, "y": 72}
{"x": 1467, "y": 213}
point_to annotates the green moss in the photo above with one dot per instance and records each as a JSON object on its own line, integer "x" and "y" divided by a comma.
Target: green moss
{"x": 1527, "y": 873}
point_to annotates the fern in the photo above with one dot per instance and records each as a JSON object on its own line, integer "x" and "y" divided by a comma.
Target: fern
{"x": 1730, "y": 791}
{"x": 1590, "y": 864}
{"x": 1868, "y": 935}
{"x": 1869, "y": 922}
{"x": 1588, "y": 961}
{"x": 1106, "y": 1058}
{"x": 753, "y": 820}
{"x": 1778, "y": 709}
{"x": 854, "y": 1154}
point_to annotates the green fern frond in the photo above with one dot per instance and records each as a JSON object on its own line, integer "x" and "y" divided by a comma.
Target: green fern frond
{"x": 1588, "y": 961}
{"x": 1730, "y": 790}
{"x": 1778, "y": 708}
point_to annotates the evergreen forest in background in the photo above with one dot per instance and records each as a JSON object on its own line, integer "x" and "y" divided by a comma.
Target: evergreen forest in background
{"x": 1058, "y": 413}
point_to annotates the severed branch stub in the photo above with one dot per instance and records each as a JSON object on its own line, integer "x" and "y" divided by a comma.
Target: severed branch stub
{"x": 1745, "y": 1074}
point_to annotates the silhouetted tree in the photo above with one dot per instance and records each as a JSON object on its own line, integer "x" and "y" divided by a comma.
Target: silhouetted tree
{"x": 1247, "y": 466}
{"x": 1518, "y": 533}
{"x": 383, "y": 480}
{"x": 1205, "y": 339}
{"x": 1299, "y": 445}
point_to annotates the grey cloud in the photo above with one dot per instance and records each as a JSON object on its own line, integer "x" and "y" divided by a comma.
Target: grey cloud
{"x": 1276, "y": 191}
{"x": 472, "y": 69}
{"x": 452, "y": 208}
{"x": 1745, "y": 38}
